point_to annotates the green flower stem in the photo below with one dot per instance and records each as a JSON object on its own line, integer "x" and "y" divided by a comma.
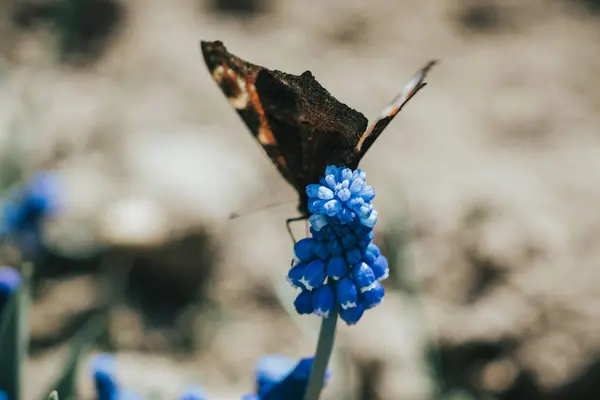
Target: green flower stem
{"x": 14, "y": 335}
{"x": 324, "y": 349}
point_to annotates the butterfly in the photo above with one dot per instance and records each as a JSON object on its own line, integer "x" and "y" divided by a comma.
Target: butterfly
{"x": 299, "y": 124}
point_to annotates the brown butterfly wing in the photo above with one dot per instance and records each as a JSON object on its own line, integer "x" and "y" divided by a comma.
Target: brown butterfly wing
{"x": 311, "y": 127}
{"x": 301, "y": 126}
{"x": 410, "y": 89}
{"x": 237, "y": 80}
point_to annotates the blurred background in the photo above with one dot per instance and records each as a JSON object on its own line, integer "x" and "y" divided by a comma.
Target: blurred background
{"x": 486, "y": 189}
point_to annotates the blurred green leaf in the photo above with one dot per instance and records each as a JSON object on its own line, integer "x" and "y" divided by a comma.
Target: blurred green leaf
{"x": 80, "y": 344}
{"x": 14, "y": 337}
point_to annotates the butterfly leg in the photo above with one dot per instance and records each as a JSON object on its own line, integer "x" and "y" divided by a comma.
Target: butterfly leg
{"x": 289, "y": 228}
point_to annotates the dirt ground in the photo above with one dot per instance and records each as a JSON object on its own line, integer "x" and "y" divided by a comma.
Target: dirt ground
{"x": 491, "y": 171}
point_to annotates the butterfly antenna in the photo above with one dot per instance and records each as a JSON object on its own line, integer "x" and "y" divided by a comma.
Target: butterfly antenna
{"x": 236, "y": 215}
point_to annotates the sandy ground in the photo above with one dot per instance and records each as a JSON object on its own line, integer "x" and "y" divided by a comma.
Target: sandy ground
{"x": 493, "y": 167}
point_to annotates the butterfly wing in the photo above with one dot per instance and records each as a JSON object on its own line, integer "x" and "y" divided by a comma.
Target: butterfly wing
{"x": 376, "y": 128}
{"x": 297, "y": 121}
{"x": 237, "y": 80}
{"x": 313, "y": 128}
{"x": 301, "y": 126}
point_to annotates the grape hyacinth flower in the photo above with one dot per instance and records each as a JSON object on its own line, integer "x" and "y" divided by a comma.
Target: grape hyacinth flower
{"x": 339, "y": 266}
{"x": 31, "y": 203}
{"x": 104, "y": 368}
{"x": 10, "y": 279}
{"x": 25, "y": 210}
{"x": 281, "y": 378}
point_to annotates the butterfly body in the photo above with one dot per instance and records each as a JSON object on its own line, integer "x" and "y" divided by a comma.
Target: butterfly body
{"x": 300, "y": 125}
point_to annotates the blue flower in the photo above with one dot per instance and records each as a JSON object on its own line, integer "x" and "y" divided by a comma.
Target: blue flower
{"x": 339, "y": 266}
{"x": 3, "y": 395}
{"x": 193, "y": 393}
{"x": 281, "y": 378}
{"x": 270, "y": 370}
{"x": 31, "y": 203}
{"x": 10, "y": 279}
{"x": 104, "y": 368}
{"x": 25, "y": 210}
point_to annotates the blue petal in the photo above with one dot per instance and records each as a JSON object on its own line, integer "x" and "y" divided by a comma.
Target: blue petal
{"x": 355, "y": 203}
{"x": 346, "y": 174}
{"x": 346, "y": 293}
{"x": 315, "y": 206}
{"x": 345, "y": 216}
{"x": 330, "y": 232}
{"x": 104, "y": 369}
{"x": 330, "y": 181}
{"x": 367, "y": 194}
{"x": 271, "y": 369}
{"x": 371, "y": 253}
{"x": 337, "y": 267}
{"x": 363, "y": 276}
{"x": 353, "y": 256}
{"x": 356, "y": 186}
{"x": 193, "y": 393}
{"x": 332, "y": 207}
{"x": 364, "y": 211}
{"x": 312, "y": 190}
{"x": 319, "y": 236}
{"x": 295, "y": 275}
{"x": 349, "y": 241}
{"x": 359, "y": 174}
{"x": 314, "y": 274}
{"x": 352, "y": 315}
{"x": 3, "y": 395}
{"x": 303, "y": 302}
{"x": 325, "y": 193}
{"x": 29, "y": 205}
{"x": 323, "y": 301}
{"x": 321, "y": 250}
{"x": 250, "y": 396}
{"x": 317, "y": 221}
{"x": 44, "y": 191}
{"x": 344, "y": 194}
{"x": 332, "y": 170}
{"x": 372, "y": 297}
{"x": 340, "y": 230}
{"x": 380, "y": 268}
{"x": 335, "y": 248}
{"x": 304, "y": 249}
{"x": 10, "y": 279}
{"x": 366, "y": 239}
{"x": 293, "y": 386}
{"x": 371, "y": 221}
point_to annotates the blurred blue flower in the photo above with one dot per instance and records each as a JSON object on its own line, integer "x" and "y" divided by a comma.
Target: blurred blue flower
{"x": 10, "y": 279}
{"x": 270, "y": 370}
{"x": 104, "y": 368}
{"x": 37, "y": 199}
{"x": 193, "y": 393}
{"x": 3, "y": 395}
{"x": 281, "y": 378}
{"x": 26, "y": 208}
{"x": 339, "y": 265}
